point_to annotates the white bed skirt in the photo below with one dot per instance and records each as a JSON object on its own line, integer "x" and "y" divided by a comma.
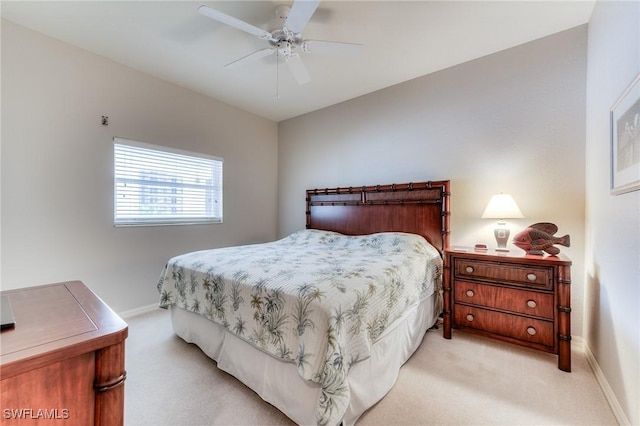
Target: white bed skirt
{"x": 278, "y": 382}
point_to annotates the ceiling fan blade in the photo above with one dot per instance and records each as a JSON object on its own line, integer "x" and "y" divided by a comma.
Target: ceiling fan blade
{"x": 297, "y": 68}
{"x": 331, "y": 47}
{"x": 234, "y": 22}
{"x": 251, "y": 57}
{"x": 300, "y": 13}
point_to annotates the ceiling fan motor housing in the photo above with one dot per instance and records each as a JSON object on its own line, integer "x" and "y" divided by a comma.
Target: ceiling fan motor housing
{"x": 283, "y": 39}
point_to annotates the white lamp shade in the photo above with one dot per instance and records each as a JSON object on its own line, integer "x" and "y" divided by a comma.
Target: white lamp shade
{"x": 502, "y": 206}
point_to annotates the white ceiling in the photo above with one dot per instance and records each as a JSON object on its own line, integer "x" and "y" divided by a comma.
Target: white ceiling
{"x": 402, "y": 40}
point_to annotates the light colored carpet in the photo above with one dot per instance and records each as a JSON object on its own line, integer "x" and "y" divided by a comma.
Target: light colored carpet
{"x": 468, "y": 380}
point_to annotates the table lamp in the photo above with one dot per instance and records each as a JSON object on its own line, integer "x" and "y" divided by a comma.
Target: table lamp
{"x": 502, "y": 206}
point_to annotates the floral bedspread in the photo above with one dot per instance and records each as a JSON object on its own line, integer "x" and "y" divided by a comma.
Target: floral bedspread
{"x": 319, "y": 299}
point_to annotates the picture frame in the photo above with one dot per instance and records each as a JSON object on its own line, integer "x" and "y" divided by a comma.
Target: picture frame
{"x": 625, "y": 140}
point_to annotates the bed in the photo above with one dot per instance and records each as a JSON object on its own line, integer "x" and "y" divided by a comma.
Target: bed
{"x": 319, "y": 322}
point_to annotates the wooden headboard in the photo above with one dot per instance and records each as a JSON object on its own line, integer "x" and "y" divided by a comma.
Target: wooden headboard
{"x": 418, "y": 208}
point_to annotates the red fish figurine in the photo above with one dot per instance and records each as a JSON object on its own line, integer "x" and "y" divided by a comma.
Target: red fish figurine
{"x": 539, "y": 237}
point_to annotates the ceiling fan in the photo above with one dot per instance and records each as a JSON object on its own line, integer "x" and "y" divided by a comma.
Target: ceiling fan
{"x": 284, "y": 37}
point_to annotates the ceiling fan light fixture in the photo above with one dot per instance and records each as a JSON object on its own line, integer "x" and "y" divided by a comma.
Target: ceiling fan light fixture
{"x": 284, "y": 48}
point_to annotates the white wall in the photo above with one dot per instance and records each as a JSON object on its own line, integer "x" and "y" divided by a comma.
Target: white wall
{"x": 612, "y": 302}
{"x": 511, "y": 122}
{"x": 57, "y": 162}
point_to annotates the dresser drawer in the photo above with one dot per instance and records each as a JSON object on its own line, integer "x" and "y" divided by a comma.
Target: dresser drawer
{"x": 504, "y": 298}
{"x": 529, "y": 276}
{"x": 507, "y": 325}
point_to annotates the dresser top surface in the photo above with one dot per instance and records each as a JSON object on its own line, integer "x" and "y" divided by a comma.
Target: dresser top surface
{"x": 513, "y": 256}
{"x": 56, "y": 321}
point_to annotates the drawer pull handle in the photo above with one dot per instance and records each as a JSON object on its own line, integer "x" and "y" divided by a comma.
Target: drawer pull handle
{"x": 470, "y": 317}
{"x": 469, "y": 269}
{"x": 531, "y": 277}
{"x": 531, "y": 303}
{"x": 532, "y": 331}
{"x": 470, "y": 293}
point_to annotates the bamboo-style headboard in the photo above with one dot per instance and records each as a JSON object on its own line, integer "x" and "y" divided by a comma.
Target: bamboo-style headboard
{"x": 418, "y": 208}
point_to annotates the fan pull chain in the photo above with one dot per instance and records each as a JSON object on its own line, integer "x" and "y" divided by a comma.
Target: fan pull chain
{"x": 277, "y": 74}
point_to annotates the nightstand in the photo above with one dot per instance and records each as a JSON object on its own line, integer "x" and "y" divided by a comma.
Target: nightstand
{"x": 510, "y": 296}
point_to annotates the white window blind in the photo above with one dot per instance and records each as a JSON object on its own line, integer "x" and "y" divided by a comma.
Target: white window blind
{"x": 158, "y": 185}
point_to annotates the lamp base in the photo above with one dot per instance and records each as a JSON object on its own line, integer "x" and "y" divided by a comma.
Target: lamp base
{"x": 501, "y": 232}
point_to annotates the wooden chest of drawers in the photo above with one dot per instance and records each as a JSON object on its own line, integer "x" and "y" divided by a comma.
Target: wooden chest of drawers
{"x": 63, "y": 363}
{"x": 511, "y": 296}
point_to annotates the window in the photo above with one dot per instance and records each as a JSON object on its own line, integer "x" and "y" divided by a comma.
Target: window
{"x": 157, "y": 185}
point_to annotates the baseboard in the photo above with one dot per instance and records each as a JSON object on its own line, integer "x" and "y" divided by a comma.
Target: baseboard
{"x": 618, "y": 412}
{"x": 138, "y": 311}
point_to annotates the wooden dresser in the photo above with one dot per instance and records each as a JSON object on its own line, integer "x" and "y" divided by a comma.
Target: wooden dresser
{"x": 510, "y": 296}
{"x": 63, "y": 363}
